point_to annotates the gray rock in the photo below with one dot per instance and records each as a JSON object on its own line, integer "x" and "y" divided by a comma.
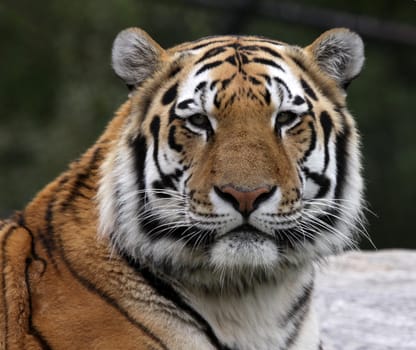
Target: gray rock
{"x": 367, "y": 301}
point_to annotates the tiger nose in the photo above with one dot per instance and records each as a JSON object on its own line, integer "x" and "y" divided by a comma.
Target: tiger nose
{"x": 244, "y": 201}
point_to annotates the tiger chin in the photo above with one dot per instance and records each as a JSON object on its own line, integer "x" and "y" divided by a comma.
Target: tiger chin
{"x": 196, "y": 219}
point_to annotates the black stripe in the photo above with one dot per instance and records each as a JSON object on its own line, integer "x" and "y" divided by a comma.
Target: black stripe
{"x": 268, "y": 63}
{"x": 190, "y": 131}
{"x": 208, "y": 66}
{"x": 34, "y": 256}
{"x": 309, "y": 91}
{"x": 109, "y": 300}
{"x": 229, "y": 41}
{"x": 217, "y": 101}
{"x": 156, "y": 185}
{"x": 170, "y": 94}
{"x": 281, "y": 82}
{"x": 213, "y": 84}
{"x": 200, "y": 46}
{"x": 47, "y": 238}
{"x": 32, "y": 330}
{"x": 312, "y": 144}
{"x": 254, "y": 81}
{"x": 172, "y": 115}
{"x": 267, "y": 78}
{"x": 230, "y": 100}
{"x": 300, "y": 302}
{"x": 200, "y": 86}
{"x": 150, "y": 93}
{"x": 299, "y": 311}
{"x": 155, "y": 129}
{"x": 262, "y": 48}
{"x": 271, "y": 51}
{"x": 267, "y": 96}
{"x": 32, "y": 243}
{"x": 231, "y": 60}
{"x": 299, "y": 63}
{"x": 174, "y": 71}
{"x": 228, "y": 81}
{"x": 166, "y": 290}
{"x": 330, "y": 219}
{"x": 171, "y": 140}
{"x": 339, "y": 110}
{"x": 212, "y": 52}
{"x": 320, "y": 179}
{"x": 80, "y": 178}
{"x": 298, "y": 100}
{"x": 139, "y": 150}
{"x": 244, "y": 59}
{"x": 342, "y": 157}
{"x": 310, "y": 108}
{"x": 185, "y": 103}
{"x": 326, "y": 123}
{"x": 192, "y": 236}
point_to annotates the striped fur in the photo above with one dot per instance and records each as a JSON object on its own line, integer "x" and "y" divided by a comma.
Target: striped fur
{"x": 195, "y": 221}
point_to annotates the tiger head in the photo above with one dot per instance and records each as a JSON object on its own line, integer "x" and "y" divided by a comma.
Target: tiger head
{"x": 238, "y": 158}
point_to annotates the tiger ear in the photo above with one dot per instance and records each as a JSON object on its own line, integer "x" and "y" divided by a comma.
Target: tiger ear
{"x": 339, "y": 53}
{"x": 135, "y": 56}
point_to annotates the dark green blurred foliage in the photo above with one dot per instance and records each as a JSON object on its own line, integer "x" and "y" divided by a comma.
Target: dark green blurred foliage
{"x": 57, "y": 90}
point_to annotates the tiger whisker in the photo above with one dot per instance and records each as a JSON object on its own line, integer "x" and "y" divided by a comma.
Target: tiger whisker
{"x": 318, "y": 222}
{"x": 358, "y": 224}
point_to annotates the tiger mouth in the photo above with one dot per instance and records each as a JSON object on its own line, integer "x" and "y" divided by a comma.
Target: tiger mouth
{"x": 247, "y": 230}
{"x": 286, "y": 237}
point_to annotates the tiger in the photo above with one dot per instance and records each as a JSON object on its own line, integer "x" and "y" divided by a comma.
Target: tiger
{"x": 199, "y": 217}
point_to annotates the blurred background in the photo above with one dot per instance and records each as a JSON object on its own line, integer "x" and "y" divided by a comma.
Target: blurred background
{"x": 57, "y": 89}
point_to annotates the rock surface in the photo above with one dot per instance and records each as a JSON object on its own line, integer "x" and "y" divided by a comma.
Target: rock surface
{"x": 367, "y": 301}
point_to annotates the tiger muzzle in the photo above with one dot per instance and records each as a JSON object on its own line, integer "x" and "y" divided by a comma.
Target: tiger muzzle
{"x": 244, "y": 201}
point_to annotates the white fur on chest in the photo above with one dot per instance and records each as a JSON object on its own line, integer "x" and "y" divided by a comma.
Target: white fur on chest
{"x": 261, "y": 319}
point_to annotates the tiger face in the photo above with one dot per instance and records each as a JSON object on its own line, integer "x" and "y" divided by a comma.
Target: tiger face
{"x": 238, "y": 160}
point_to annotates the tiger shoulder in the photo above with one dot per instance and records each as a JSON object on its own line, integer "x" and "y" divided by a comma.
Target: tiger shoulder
{"x": 196, "y": 219}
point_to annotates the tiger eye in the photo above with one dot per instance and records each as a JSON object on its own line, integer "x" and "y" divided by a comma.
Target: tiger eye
{"x": 199, "y": 120}
{"x": 286, "y": 117}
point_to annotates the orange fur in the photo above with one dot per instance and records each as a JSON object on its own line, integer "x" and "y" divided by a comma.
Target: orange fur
{"x": 61, "y": 284}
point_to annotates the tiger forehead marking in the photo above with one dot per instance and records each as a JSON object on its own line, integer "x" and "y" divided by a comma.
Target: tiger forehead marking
{"x": 239, "y": 72}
